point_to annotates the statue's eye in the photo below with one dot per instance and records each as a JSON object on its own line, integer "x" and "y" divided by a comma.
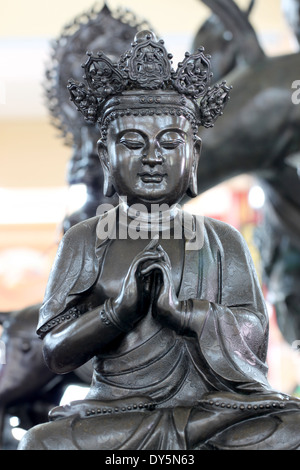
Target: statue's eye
{"x": 132, "y": 140}
{"x": 171, "y": 139}
{"x": 132, "y": 144}
{"x": 171, "y": 144}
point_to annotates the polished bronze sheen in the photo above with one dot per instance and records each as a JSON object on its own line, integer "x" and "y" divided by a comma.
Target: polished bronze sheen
{"x": 174, "y": 320}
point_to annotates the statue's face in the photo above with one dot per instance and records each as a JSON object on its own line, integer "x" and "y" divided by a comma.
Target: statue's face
{"x": 150, "y": 157}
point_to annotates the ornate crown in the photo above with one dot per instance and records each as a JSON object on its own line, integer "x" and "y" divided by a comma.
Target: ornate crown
{"x": 147, "y": 67}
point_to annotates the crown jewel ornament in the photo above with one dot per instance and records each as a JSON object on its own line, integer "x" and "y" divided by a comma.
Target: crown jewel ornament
{"x": 144, "y": 68}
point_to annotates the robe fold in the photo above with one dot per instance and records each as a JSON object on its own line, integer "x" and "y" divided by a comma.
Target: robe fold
{"x": 165, "y": 392}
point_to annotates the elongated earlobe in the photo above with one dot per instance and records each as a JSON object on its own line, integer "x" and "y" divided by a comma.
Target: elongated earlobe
{"x": 192, "y": 190}
{"x": 108, "y": 187}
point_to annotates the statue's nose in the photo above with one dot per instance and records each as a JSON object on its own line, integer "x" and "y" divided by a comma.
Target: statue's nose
{"x": 152, "y": 157}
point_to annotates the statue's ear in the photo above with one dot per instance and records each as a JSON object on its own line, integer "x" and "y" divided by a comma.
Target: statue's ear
{"x": 192, "y": 190}
{"x": 108, "y": 187}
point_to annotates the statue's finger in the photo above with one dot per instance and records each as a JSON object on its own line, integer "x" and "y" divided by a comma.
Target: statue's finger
{"x": 157, "y": 265}
{"x": 153, "y": 243}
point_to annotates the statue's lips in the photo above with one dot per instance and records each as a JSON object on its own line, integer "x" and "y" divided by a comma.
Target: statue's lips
{"x": 152, "y": 177}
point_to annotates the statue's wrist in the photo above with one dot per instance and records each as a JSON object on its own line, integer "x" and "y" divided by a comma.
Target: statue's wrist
{"x": 177, "y": 317}
{"x": 200, "y": 311}
{"x": 192, "y": 316}
{"x": 110, "y": 316}
{"x": 186, "y": 310}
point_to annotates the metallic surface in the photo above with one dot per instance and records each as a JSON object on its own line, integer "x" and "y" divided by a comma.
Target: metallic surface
{"x": 178, "y": 333}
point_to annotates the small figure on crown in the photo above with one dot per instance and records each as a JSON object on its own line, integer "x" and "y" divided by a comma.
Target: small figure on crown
{"x": 170, "y": 309}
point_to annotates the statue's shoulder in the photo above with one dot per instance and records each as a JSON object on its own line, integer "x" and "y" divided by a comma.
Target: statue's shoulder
{"x": 84, "y": 228}
{"x": 228, "y": 238}
{"x": 220, "y": 232}
{"x": 76, "y": 243}
{"x": 74, "y": 269}
{"x": 220, "y": 227}
{"x": 81, "y": 237}
{"x": 89, "y": 230}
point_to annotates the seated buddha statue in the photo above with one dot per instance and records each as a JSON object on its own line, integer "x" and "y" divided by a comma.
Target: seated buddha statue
{"x": 166, "y": 304}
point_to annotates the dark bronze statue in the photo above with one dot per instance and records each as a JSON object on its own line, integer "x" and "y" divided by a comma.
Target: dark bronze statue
{"x": 167, "y": 304}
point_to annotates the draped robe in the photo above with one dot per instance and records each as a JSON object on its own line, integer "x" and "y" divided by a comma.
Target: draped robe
{"x": 168, "y": 391}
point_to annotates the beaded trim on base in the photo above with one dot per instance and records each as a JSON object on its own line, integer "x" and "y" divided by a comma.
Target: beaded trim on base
{"x": 120, "y": 409}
